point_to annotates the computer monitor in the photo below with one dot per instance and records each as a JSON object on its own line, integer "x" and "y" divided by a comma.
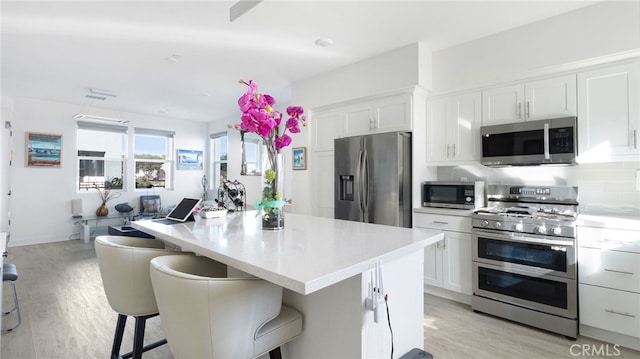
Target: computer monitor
{"x": 183, "y": 210}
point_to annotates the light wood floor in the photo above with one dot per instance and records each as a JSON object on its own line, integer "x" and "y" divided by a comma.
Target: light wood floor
{"x": 66, "y": 315}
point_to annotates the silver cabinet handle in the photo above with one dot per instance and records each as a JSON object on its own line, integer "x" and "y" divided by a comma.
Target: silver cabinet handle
{"x": 454, "y": 150}
{"x": 440, "y": 222}
{"x": 448, "y": 145}
{"x": 519, "y": 110}
{"x": 617, "y": 271}
{"x": 624, "y": 314}
{"x": 528, "y": 109}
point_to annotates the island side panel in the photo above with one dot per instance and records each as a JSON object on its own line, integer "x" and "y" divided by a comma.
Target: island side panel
{"x": 337, "y": 325}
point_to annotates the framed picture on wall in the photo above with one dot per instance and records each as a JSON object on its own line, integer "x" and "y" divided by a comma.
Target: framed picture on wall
{"x": 43, "y": 150}
{"x": 190, "y": 160}
{"x": 299, "y": 158}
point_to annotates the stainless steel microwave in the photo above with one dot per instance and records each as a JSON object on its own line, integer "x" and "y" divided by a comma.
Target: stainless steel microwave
{"x": 553, "y": 141}
{"x": 458, "y": 195}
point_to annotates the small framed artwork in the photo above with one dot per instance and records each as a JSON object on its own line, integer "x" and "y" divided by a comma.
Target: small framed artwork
{"x": 43, "y": 150}
{"x": 299, "y": 158}
{"x": 190, "y": 160}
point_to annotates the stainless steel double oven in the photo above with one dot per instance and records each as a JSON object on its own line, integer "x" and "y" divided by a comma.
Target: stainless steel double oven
{"x": 524, "y": 257}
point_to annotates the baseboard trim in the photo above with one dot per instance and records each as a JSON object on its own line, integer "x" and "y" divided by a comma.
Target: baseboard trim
{"x": 447, "y": 294}
{"x": 610, "y": 337}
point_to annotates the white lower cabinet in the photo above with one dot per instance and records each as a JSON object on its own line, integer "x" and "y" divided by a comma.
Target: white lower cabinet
{"x": 447, "y": 264}
{"x": 609, "y": 284}
{"x": 614, "y": 310}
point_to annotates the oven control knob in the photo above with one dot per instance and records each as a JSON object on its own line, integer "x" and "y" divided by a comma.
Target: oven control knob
{"x": 557, "y": 231}
{"x": 541, "y": 229}
{"x": 518, "y": 227}
{"x": 485, "y": 223}
{"x": 498, "y": 225}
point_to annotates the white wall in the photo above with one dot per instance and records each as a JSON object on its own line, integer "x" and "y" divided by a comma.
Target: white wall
{"x": 398, "y": 69}
{"x": 5, "y": 141}
{"x": 602, "y": 29}
{"x": 41, "y": 197}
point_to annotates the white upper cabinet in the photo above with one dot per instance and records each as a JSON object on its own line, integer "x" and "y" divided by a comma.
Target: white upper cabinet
{"x": 358, "y": 119}
{"x": 383, "y": 115}
{"x": 609, "y": 113}
{"x": 453, "y": 128}
{"x": 392, "y": 114}
{"x": 549, "y": 98}
{"x": 554, "y": 97}
{"x": 502, "y": 105}
{"x": 326, "y": 126}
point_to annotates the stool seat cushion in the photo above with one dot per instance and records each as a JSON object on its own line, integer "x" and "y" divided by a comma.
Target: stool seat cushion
{"x": 9, "y": 272}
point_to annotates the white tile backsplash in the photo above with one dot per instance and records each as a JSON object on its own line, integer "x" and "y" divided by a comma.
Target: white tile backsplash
{"x": 600, "y": 185}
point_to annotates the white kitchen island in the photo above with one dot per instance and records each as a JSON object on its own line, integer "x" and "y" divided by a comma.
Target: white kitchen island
{"x": 325, "y": 266}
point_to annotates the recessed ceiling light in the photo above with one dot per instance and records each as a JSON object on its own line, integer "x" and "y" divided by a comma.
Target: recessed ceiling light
{"x": 173, "y": 59}
{"x": 324, "y": 42}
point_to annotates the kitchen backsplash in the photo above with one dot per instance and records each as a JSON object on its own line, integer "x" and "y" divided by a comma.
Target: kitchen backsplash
{"x": 603, "y": 188}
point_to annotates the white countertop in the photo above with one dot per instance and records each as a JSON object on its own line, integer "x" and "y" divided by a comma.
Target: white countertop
{"x": 311, "y": 253}
{"x": 609, "y": 220}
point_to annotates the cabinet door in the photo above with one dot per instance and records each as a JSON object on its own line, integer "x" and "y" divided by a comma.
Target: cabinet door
{"x": 393, "y": 114}
{"x": 323, "y": 187}
{"x": 464, "y": 128}
{"x": 327, "y": 126}
{"x": 550, "y": 98}
{"x": 609, "y": 114}
{"x": 456, "y": 263}
{"x": 502, "y": 105}
{"x": 433, "y": 265}
{"x": 359, "y": 119}
{"x": 438, "y": 116}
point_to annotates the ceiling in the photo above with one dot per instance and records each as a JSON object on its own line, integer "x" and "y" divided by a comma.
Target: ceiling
{"x": 183, "y": 59}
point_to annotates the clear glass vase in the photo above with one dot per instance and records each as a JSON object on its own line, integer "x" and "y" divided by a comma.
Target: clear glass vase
{"x": 273, "y": 201}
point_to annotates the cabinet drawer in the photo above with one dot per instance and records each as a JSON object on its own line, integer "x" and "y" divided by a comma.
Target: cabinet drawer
{"x": 609, "y": 309}
{"x": 443, "y": 222}
{"x": 609, "y": 238}
{"x": 612, "y": 269}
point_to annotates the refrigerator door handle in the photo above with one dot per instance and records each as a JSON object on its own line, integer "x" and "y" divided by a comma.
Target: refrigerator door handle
{"x": 365, "y": 186}
{"x": 359, "y": 184}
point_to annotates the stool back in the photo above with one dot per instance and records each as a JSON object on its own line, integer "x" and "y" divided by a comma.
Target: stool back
{"x": 205, "y": 315}
{"x": 124, "y": 268}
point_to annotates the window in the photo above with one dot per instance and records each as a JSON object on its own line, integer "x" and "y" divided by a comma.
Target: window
{"x": 218, "y": 159}
{"x": 252, "y": 149}
{"x": 101, "y": 155}
{"x": 153, "y": 156}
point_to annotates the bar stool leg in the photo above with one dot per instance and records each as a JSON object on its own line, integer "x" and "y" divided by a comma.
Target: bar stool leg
{"x": 117, "y": 338}
{"x": 16, "y": 308}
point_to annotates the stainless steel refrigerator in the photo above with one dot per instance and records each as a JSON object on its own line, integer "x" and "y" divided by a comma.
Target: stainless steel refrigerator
{"x": 373, "y": 178}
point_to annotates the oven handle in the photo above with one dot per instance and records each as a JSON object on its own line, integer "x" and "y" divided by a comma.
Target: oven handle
{"x": 513, "y": 238}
